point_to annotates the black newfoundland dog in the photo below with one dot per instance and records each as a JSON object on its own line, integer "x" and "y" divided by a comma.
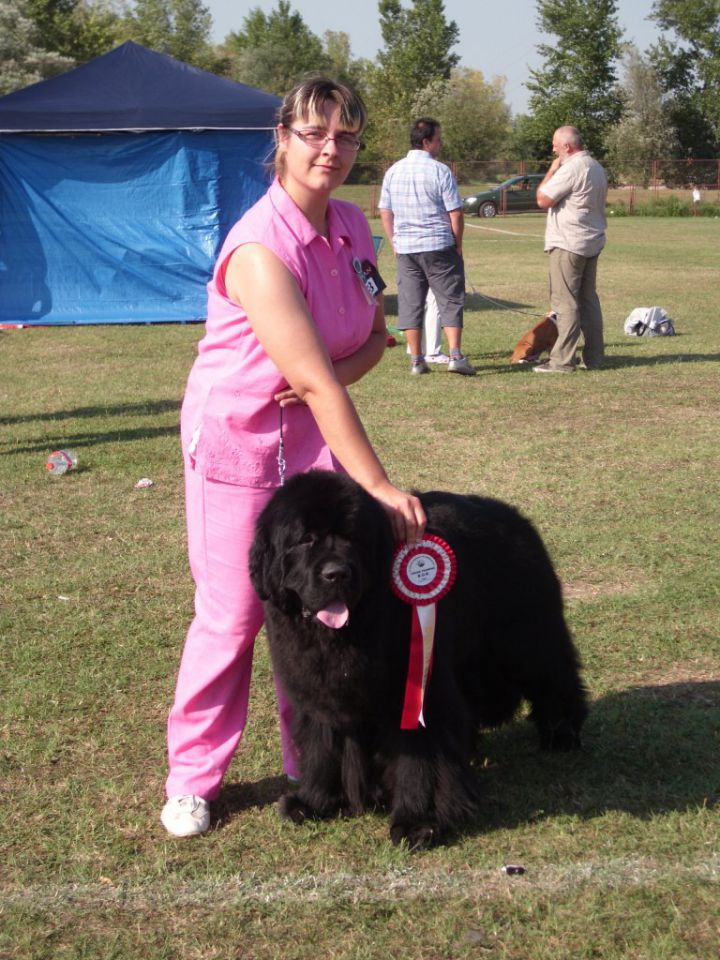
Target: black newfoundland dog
{"x": 339, "y": 640}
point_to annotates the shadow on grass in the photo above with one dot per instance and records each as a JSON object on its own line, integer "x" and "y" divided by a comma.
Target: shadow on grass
{"x": 616, "y": 361}
{"x": 612, "y": 362}
{"x": 473, "y": 301}
{"x": 149, "y": 408}
{"x": 83, "y": 440}
{"x": 72, "y": 440}
{"x": 646, "y": 751}
{"x": 237, "y": 797}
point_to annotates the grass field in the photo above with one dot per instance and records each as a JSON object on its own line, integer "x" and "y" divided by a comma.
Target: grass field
{"x": 619, "y": 471}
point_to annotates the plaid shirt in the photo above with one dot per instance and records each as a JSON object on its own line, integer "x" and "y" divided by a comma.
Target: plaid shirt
{"x": 420, "y": 191}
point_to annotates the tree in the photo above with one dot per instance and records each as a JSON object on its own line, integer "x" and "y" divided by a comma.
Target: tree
{"x": 644, "y": 134}
{"x": 577, "y": 84}
{"x": 79, "y": 29}
{"x": 522, "y": 142}
{"x": 418, "y": 51}
{"x": 418, "y": 44}
{"x": 22, "y": 58}
{"x": 341, "y": 63}
{"x": 275, "y": 51}
{"x": 474, "y": 115}
{"x": 179, "y": 28}
{"x": 690, "y": 72}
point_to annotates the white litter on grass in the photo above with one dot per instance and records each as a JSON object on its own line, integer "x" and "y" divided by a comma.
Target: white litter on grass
{"x": 144, "y": 483}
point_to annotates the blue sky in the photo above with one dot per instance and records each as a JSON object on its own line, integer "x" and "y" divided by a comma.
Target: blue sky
{"x": 498, "y": 38}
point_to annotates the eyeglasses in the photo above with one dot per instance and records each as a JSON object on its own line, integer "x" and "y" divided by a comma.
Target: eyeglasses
{"x": 345, "y": 142}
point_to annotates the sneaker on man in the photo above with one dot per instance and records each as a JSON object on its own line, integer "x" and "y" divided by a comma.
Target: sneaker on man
{"x": 546, "y": 368}
{"x": 461, "y": 365}
{"x": 186, "y": 816}
{"x": 418, "y": 367}
{"x": 437, "y": 358}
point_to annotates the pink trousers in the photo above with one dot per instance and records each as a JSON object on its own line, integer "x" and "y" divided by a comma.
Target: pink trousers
{"x": 211, "y": 697}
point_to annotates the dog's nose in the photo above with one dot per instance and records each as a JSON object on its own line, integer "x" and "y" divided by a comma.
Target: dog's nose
{"x": 335, "y": 572}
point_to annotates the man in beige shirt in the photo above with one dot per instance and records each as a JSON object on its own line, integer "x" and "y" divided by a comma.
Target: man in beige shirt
{"x": 574, "y": 192}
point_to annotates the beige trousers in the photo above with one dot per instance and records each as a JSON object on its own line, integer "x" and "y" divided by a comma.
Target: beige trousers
{"x": 574, "y": 299}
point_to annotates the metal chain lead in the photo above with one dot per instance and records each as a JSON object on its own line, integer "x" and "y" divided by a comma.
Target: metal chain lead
{"x": 281, "y": 452}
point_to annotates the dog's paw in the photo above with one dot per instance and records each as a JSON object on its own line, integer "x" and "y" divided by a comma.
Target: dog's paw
{"x": 415, "y": 836}
{"x": 291, "y": 807}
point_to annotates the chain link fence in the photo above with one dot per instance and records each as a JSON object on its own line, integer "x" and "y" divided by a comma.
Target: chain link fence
{"x": 673, "y": 187}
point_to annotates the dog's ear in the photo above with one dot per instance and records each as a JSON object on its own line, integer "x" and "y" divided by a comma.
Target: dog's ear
{"x": 266, "y": 561}
{"x": 260, "y": 561}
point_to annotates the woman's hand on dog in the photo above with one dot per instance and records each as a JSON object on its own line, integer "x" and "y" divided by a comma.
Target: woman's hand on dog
{"x": 405, "y": 511}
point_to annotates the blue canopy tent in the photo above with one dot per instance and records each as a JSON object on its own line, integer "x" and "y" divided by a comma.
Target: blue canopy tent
{"x": 118, "y": 182}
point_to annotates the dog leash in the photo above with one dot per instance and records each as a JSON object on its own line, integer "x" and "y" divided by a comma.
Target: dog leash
{"x": 281, "y": 452}
{"x": 498, "y": 303}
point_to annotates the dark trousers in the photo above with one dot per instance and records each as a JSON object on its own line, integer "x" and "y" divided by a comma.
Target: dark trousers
{"x": 441, "y": 271}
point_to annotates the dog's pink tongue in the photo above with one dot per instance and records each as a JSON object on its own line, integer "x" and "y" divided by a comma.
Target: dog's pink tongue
{"x": 334, "y": 615}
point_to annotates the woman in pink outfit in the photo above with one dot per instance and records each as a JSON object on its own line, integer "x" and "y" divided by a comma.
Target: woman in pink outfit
{"x": 290, "y": 324}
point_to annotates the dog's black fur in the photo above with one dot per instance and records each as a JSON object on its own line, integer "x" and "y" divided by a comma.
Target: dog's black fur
{"x": 500, "y": 638}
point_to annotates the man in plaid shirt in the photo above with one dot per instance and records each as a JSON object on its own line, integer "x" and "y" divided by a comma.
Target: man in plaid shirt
{"x": 421, "y": 213}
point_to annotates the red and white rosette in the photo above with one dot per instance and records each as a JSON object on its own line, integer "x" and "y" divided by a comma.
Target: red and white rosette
{"x": 422, "y": 573}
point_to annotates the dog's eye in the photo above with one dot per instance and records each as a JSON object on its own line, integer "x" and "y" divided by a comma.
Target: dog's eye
{"x": 308, "y": 538}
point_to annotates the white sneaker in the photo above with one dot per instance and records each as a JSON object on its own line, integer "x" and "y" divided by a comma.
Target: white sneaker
{"x": 437, "y": 358}
{"x": 461, "y": 365}
{"x": 186, "y": 816}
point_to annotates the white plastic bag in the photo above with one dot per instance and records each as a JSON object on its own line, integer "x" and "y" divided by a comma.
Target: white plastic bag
{"x": 650, "y": 322}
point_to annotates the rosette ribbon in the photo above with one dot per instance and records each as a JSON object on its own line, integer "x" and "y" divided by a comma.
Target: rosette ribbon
{"x": 422, "y": 573}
